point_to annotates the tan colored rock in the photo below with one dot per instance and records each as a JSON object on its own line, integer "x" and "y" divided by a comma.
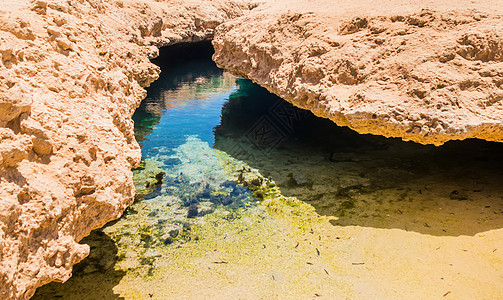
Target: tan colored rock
{"x": 426, "y": 71}
{"x": 71, "y": 75}
{"x": 73, "y": 72}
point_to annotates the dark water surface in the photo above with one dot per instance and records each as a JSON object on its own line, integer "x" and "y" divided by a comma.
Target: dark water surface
{"x": 199, "y": 123}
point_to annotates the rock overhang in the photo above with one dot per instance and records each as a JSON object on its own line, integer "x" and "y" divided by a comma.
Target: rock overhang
{"x": 425, "y": 72}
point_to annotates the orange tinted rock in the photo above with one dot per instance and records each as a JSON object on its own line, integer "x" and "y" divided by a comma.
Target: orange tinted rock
{"x": 72, "y": 74}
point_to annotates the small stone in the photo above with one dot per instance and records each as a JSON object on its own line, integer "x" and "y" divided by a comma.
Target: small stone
{"x": 193, "y": 211}
{"x": 59, "y": 21}
{"x": 256, "y": 182}
{"x": 42, "y": 146}
{"x": 205, "y": 208}
{"x": 52, "y": 30}
{"x": 174, "y": 233}
{"x": 227, "y": 201}
{"x": 40, "y": 7}
{"x": 259, "y": 195}
{"x": 64, "y": 43}
{"x": 159, "y": 177}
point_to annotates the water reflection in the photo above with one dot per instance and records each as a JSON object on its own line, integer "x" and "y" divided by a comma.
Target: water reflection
{"x": 189, "y": 93}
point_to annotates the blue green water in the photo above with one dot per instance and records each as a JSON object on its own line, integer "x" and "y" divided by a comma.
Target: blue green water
{"x": 357, "y": 178}
{"x": 165, "y": 121}
{"x": 197, "y": 118}
{"x": 195, "y": 113}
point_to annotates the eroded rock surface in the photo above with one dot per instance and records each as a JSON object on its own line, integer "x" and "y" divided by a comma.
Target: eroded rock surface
{"x": 71, "y": 75}
{"x": 425, "y": 71}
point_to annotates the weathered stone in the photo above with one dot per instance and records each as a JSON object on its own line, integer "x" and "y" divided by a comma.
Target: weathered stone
{"x": 64, "y": 43}
{"x": 66, "y": 135}
{"x": 426, "y": 72}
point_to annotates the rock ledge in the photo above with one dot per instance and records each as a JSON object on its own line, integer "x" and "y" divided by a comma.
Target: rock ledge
{"x": 424, "y": 72}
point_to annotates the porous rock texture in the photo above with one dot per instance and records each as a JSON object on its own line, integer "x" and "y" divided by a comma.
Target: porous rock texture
{"x": 72, "y": 73}
{"x": 426, "y": 71}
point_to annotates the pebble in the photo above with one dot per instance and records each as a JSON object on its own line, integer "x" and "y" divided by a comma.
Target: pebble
{"x": 193, "y": 211}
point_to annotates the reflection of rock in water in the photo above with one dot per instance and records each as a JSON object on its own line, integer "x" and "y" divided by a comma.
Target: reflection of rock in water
{"x": 96, "y": 273}
{"x": 180, "y": 81}
{"x": 362, "y": 179}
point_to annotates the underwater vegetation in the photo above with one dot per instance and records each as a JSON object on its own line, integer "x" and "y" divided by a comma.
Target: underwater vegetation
{"x": 237, "y": 183}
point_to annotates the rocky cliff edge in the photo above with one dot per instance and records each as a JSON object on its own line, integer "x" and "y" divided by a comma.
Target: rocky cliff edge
{"x": 72, "y": 74}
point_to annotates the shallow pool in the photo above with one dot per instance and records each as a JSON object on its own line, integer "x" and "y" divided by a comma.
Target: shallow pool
{"x": 242, "y": 195}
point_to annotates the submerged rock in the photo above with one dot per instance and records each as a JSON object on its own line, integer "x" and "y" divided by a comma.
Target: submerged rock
{"x": 192, "y": 211}
{"x": 159, "y": 177}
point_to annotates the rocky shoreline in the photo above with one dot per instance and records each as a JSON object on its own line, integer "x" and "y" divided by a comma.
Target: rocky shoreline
{"x": 73, "y": 72}
{"x": 72, "y": 75}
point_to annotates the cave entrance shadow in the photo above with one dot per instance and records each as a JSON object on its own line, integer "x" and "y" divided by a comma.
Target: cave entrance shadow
{"x": 365, "y": 180}
{"x": 95, "y": 273}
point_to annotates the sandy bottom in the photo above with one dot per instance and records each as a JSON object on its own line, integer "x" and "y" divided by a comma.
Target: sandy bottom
{"x": 327, "y": 213}
{"x": 412, "y": 239}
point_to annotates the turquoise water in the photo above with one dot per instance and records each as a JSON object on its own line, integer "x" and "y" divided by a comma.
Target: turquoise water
{"x": 164, "y": 120}
{"x": 198, "y": 124}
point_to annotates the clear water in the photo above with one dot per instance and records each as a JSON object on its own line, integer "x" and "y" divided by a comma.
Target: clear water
{"x": 186, "y": 101}
{"x": 215, "y": 146}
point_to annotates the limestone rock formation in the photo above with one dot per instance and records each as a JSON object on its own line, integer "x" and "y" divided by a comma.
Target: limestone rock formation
{"x": 425, "y": 71}
{"x": 72, "y": 72}
{"x": 71, "y": 75}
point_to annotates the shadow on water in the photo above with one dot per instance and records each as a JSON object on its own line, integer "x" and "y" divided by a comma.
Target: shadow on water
{"x": 365, "y": 180}
{"x": 96, "y": 272}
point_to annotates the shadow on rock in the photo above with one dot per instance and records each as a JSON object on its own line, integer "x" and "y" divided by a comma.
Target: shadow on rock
{"x": 93, "y": 278}
{"x": 365, "y": 180}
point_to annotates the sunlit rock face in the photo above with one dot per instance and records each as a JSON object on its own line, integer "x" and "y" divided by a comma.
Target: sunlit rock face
{"x": 72, "y": 74}
{"x": 425, "y": 71}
